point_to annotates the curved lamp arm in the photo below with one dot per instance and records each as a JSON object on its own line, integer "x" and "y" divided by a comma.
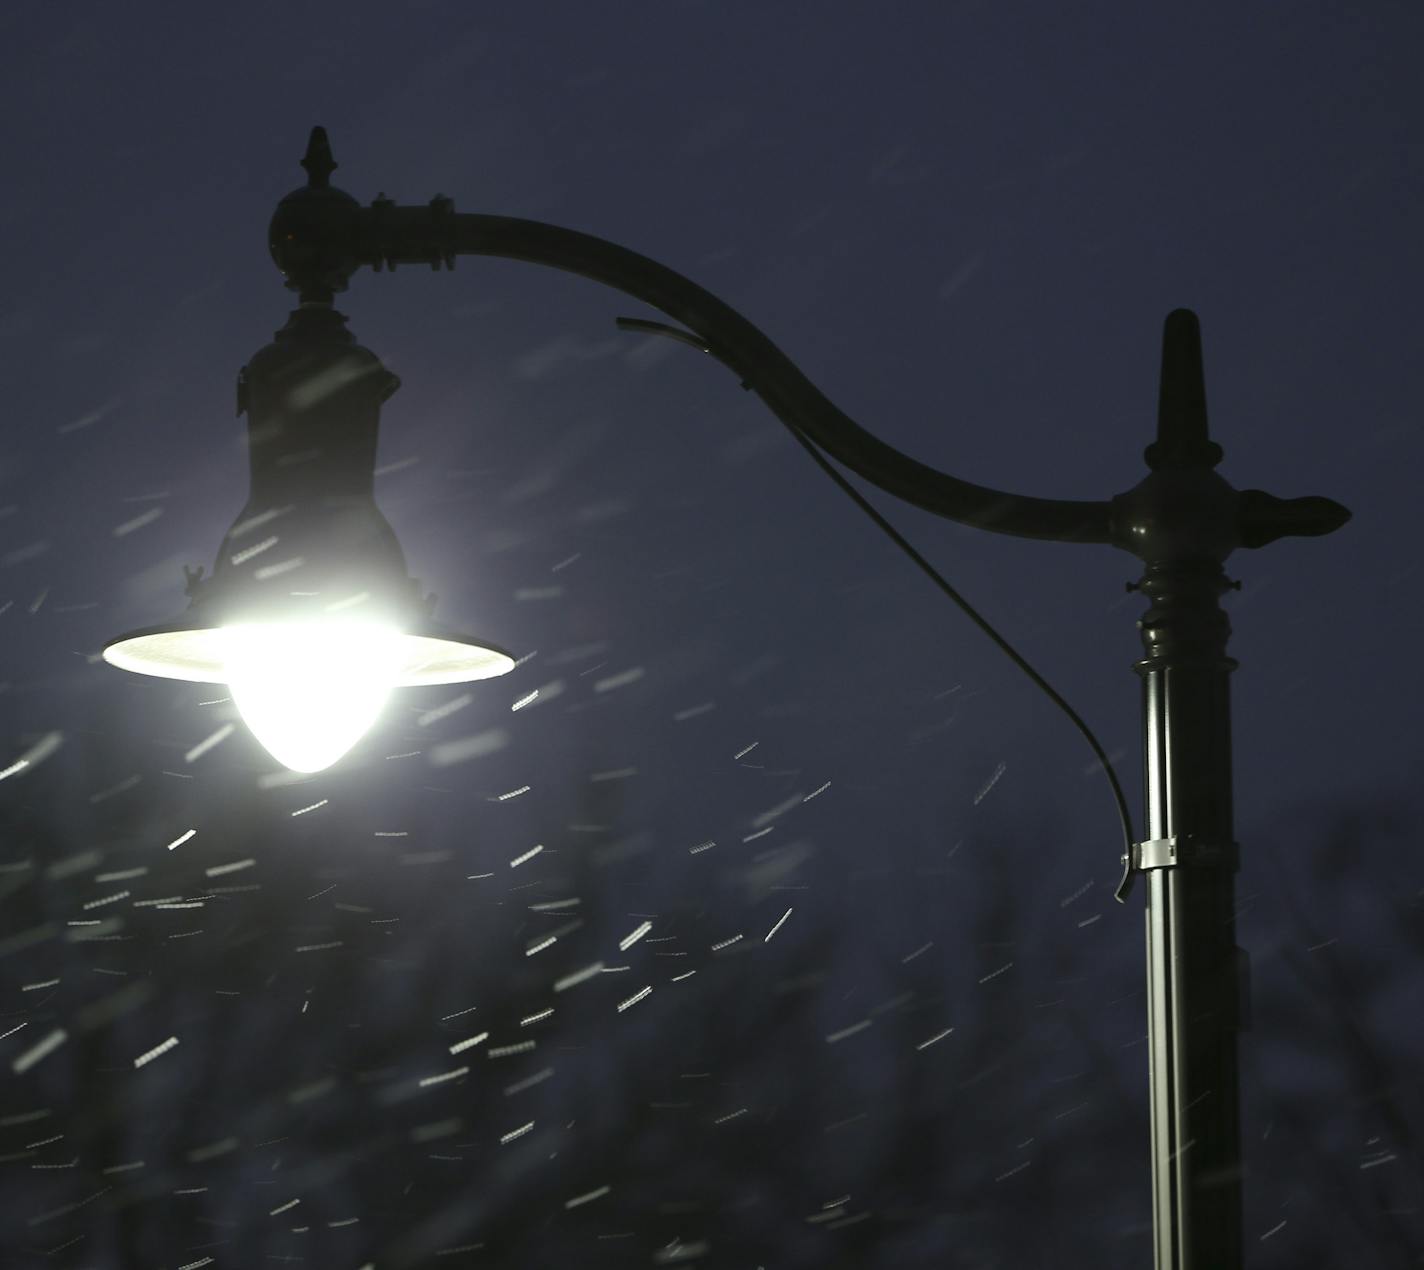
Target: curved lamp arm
{"x": 767, "y": 371}
{"x": 319, "y": 236}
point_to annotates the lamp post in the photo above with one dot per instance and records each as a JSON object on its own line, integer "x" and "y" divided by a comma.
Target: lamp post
{"x": 311, "y": 616}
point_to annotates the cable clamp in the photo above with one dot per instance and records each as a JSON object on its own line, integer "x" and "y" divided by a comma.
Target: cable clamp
{"x": 1155, "y": 853}
{"x": 1168, "y": 853}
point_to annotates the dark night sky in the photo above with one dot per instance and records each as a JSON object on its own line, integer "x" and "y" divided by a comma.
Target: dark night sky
{"x": 966, "y": 223}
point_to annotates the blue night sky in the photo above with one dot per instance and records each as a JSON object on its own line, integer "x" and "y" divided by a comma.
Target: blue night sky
{"x": 912, "y": 1034}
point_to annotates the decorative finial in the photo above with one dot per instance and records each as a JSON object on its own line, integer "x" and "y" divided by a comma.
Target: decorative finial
{"x": 1182, "y": 439}
{"x": 317, "y": 160}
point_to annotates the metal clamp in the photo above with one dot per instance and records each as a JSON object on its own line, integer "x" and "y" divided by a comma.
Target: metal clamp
{"x": 1168, "y": 853}
{"x": 1155, "y": 853}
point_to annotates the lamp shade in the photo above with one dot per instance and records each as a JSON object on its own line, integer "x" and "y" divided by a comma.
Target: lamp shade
{"x": 181, "y": 649}
{"x": 309, "y": 612}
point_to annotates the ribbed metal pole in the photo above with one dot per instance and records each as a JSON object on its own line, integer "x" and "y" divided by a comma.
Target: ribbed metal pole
{"x": 1195, "y": 988}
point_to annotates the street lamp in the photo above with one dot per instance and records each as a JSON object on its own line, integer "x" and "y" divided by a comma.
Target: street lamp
{"x": 311, "y": 616}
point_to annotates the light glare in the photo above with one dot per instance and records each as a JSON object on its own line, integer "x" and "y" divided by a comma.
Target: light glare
{"x": 308, "y": 691}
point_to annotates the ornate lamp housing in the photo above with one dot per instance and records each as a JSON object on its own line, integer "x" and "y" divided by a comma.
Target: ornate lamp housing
{"x": 310, "y": 549}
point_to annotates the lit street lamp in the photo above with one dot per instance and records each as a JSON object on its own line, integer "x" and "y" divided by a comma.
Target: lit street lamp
{"x": 310, "y": 616}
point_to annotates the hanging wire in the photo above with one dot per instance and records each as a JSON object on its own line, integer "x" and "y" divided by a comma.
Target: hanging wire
{"x": 825, "y": 464}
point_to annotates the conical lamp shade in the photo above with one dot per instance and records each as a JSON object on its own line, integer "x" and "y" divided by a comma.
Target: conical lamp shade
{"x": 183, "y": 649}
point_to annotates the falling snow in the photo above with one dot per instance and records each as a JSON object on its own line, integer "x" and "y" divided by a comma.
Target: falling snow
{"x": 745, "y": 714}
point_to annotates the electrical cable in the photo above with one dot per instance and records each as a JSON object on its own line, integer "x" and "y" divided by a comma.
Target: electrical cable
{"x": 825, "y": 464}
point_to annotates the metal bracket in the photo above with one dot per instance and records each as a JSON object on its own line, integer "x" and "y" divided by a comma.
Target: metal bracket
{"x": 1155, "y": 853}
{"x": 1168, "y": 853}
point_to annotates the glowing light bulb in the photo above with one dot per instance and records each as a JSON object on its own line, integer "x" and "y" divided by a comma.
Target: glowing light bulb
{"x": 308, "y": 691}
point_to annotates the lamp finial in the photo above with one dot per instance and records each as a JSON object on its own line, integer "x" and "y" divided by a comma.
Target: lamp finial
{"x": 317, "y": 160}
{"x": 1182, "y": 440}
